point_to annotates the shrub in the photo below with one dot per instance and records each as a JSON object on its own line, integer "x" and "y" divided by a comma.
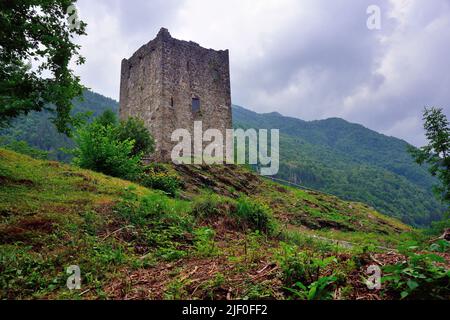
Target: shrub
{"x": 209, "y": 205}
{"x": 302, "y": 272}
{"x": 135, "y": 130}
{"x": 420, "y": 277}
{"x": 107, "y": 118}
{"x": 161, "y": 179}
{"x": 204, "y": 242}
{"x": 99, "y": 149}
{"x": 141, "y": 213}
{"x": 254, "y": 215}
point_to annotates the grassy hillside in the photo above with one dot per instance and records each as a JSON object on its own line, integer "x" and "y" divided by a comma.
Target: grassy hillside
{"x": 333, "y": 156}
{"x": 227, "y": 235}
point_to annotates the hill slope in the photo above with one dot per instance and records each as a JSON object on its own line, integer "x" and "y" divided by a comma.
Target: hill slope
{"x": 131, "y": 242}
{"x": 332, "y": 155}
{"x": 352, "y": 162}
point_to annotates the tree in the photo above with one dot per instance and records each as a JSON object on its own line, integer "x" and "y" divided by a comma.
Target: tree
{"x": 113, "y": 148}
{"x": 99, "y": 149}
{"x": 36, "y": 48}
{"x": 107, "y": 118}
{"x": 437, "y": 153}
{"x": 134, "y": 129}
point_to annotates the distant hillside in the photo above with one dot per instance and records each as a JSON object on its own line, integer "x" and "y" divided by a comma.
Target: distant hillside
{"x": 331, "y": 155}
{"x": 38, "y": 130}
{"x": 352, "y": 162}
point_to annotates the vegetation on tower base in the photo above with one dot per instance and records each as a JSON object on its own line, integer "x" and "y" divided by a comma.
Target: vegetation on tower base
{"x": 209, "y": 242}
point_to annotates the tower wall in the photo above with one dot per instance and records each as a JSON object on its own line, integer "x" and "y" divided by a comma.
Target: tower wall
{"x": 160, "y": 81}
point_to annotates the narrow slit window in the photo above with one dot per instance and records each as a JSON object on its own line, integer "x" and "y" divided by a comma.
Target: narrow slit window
{"x": 171, "y": 102}
{"x": 195, "y": 105}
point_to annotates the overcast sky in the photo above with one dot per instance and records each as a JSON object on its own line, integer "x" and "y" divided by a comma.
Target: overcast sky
{"x": 311, "y": 59}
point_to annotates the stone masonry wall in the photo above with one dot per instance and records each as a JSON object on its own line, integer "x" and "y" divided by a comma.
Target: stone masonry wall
{"x": 160, "y": 80}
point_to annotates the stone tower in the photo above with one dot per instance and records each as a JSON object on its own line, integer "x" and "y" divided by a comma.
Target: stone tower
{"x": 170, "y": 83}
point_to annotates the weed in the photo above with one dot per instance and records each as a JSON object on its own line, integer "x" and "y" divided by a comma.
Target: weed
{"x": 318, "y": 290}
{"x": 254, "y": 215}
{"x": 204, "y": 242}
{"x": 157, "y": 177}
{"x": 420, "y": 277}
{"x": 176, "y": 290}
{"x": 302, "y": 272}
{"x": 208, "y": 206}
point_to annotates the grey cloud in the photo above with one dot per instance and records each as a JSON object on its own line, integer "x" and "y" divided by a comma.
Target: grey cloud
{"x": 310, "y": 59}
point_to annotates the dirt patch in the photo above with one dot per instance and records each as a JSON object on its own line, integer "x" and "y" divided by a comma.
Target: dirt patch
{"x": 86, "y": 186}
{"x": 26, "y": 229}
{"x": 15, "y": 182}
{"x": 224, "y": 180}
{"x": 192, "y": 278}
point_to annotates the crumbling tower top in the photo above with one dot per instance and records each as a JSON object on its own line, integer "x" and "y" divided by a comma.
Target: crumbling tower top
{"x": 171, "y": 83}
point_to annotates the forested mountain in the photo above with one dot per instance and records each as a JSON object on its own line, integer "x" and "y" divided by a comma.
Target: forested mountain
{"x": 38, "y": 130}
{"x": 352, "y": 162}
{"x": 334, "y": 156}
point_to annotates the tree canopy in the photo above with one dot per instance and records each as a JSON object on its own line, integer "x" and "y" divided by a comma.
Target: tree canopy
{"x": 437, "y": 153}
{"x": 36, "y": 49}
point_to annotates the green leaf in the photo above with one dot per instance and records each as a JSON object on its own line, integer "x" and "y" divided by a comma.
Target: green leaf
{"x": 404, "y": 294}
{"x": 412, "y": 284}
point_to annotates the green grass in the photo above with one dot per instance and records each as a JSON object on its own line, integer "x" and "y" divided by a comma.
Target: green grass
{"x": 54, "y": 215}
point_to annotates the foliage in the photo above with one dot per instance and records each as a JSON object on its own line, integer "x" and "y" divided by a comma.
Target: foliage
{"x": 99, "y": 149}
{"x": 301, "y": 266}
{"x": 24, "y": 148}
{"x": 438, "y": 227}
{"x": 134, "y": 129}
{"x": 57, "y": 215}
{"x": 157, "y": 177}
{"x": 159, "y": 222}
{"x": 204, "y": 242}
{"x": 107, "y": 118}
{"x": 420, "y": 277}
{"x": 441, "y": 246}
{"x": 318, "y": 290}
{"x": 254, "y": 215}
{"x": 36, "y": 49}
{"x": 37, "y": 129}
{"x": 302, "y": 272}
{"x": 437, "y": 153}
{"x": 208, "y": 206}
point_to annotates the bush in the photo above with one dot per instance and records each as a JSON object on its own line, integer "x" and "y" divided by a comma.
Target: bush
{"x": 302, "y": 273}
{"x": 107, "y": 118}
{"x": 99, "y": 149}
{"x": 420, "y": 277}
{"x": 208, "y": 206}
{"x": 160, "y": 179}
{"x": 204, "y": 242}
{"x": 135, "y": 130}
{"x": 254, "y": 215}
{"x": 141, "y": 213}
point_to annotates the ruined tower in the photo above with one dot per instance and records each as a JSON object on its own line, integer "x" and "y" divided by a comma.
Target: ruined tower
{"x": 169, "y": 84}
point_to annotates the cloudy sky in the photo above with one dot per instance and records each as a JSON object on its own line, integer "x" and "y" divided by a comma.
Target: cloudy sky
{"x": 311, "y": 59}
